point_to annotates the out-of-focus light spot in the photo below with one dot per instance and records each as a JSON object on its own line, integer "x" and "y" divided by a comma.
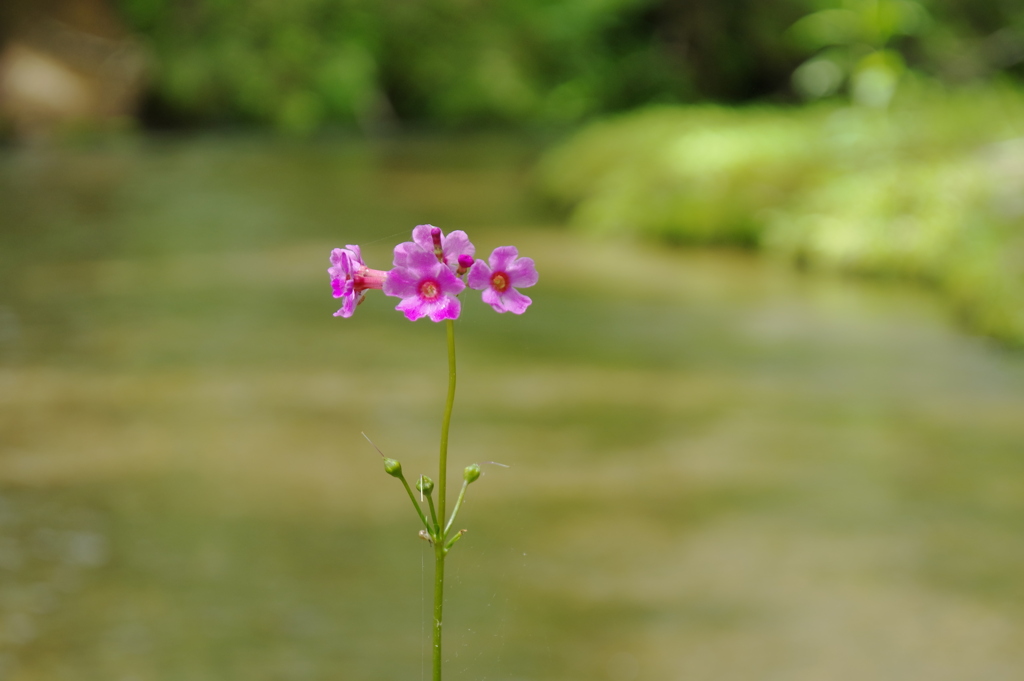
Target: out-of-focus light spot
{"x": 818, "y": 78}
{"x": 874, "y": 86}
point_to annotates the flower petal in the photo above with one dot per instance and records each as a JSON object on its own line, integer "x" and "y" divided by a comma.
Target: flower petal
{"x": 421, "y": 235}
{"x": 445, "y": 308}
{"x": 357, "y": 255}
{"x": 479, "y": 275}
{"x": 451, "y": 285}
{"x": 402, "y": 282}
{"x": 515, "y": 302}
{"x": 348, "y": 308}
{"x": 502, "y": 257}
{"x": 408, "y": 254}
{"x": 413, "y": 307}
{"x": 522, "y": 273}
{"x": 424, "y": 262}
{"x": 341, "y": 287}
{"x": 336, "y": 256}
{"x": 455, "y": 244}
{"x": 492, "y": 298}
{"x": 350, "y": 277}
{"x": 402, "y": 252}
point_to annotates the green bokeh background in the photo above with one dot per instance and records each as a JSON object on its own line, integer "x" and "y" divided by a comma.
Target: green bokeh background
{"x": 455, "y": 63}
{"x": 730, "y": 459}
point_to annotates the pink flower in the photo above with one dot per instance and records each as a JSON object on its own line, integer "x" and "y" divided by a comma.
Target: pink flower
{"x": 500, "y": 279}
{"x": 351, "y": 278}
{"x": 430, "y": 239}
{"x": 426, "y": 286}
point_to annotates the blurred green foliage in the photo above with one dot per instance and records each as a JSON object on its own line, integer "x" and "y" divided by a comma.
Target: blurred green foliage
{"x": 301, "y": 64}
{"x": 852, "y": 42}
{"x": 899, "y": 186}
{"x": 868, "y": 45}
{"x": 930, "y": 189}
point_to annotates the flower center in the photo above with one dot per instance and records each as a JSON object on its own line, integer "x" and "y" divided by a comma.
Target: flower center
{"x": 499, "y": 282}
{"x": 429, "y": 290}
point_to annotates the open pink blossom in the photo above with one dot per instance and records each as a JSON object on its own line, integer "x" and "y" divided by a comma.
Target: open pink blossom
{"x": 426, "y": 286}
{"x": 500, "y": 279}
{"x": 351, "y": 278}
{"x": 430, "y": 239}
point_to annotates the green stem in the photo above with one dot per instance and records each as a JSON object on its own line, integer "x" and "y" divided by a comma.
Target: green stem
{"x": 442, "y": 474}
{"x": 455, "y": 537}
{"x": 412, "y": 498}
{"x": 439, "y": 554}
{"x": 455, "y": 511}
{"x": 442, "y": 486}
{"x": 436, "y": 529}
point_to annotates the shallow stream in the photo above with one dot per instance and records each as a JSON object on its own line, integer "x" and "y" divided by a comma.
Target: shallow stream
{"x": 721, "y": 469}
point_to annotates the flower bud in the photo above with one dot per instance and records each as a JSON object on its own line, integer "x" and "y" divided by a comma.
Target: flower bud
{"x": 435, "y": 236}
{"x": 425, "y": 485}
{"x": 471, "y": 473}
{"x": 465, "y": 262}
{"x": 393, "y": 468}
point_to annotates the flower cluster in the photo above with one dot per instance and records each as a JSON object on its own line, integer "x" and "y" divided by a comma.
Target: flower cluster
{"x": 429, "y": 274}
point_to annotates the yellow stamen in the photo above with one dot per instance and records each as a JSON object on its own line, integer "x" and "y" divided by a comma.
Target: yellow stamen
{"x": 428, "y": 290}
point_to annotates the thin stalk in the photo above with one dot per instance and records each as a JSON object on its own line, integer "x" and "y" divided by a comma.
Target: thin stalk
{"x": 442, "y": 486}
{"x": 442, "y": 473}
{"x": 455, "y": 511}
{"x": 436, "y": 530}
{"x": 439, "y": 554}
{"x": 455, "y": 537}
{"x": 412, "y": 498}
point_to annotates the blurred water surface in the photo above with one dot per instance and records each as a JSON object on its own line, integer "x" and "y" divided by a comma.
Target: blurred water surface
{"x": 720, "y": 468}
